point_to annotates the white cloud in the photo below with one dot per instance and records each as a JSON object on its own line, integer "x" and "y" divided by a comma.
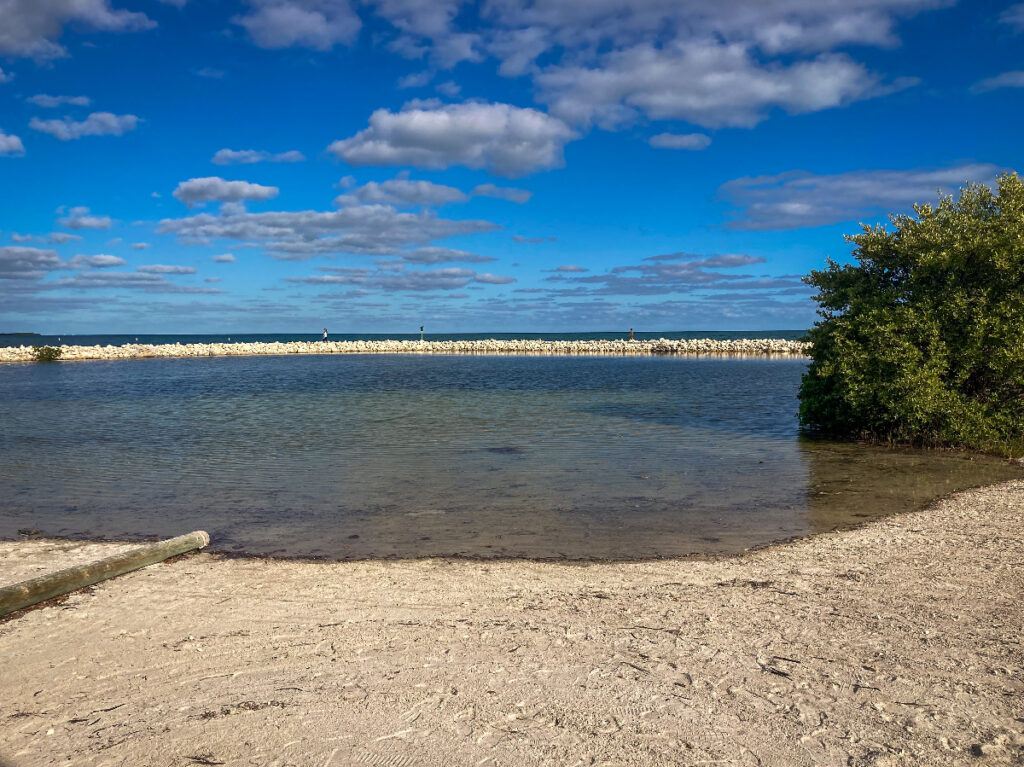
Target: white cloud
{"x": 509, "y": 140}
{"x": 166, "y": 269}
{"x": 527, "y": 27}
{"x": 690, "y": 141}
{"x": 224, "y": 258}
{"x": 101, "y": 261}
{"x": 1014, "y": 79}
{"x": 449, "y": 88}
{"x": 508, "y": 193}
{"x": 79, "y": 217}
{"x": 32, "y": 27}
{"x": 96, "y": 124}
{"x": 800, "y": 199}
{"x": 1014, "y": 17}
{"x": 24, "y": 263}
{"x": 403, "y": 191}
{"x": 436, "y": 255}
{"x": 63, "y": 237}
{"x": 612, "y": 60}
{"x": 143, "y": 281}
{"x": 197, "y": 191}
{"x": 705, "y": 83}
{"x": 5, "y": 77}
{"x": 298, "y": 235}
{"x": 426, "y": 26}
{"x": 49, "y": 102}
{"x": 493, "y": 279}
{"x": 570, "y": 269}
{"x": 398, "y": 279}
{"x": 317, "y": 24}
{"x": 210, "y": 73}
{"x": 140, "y": 246}
{"x": 252, "y": 156}
{"x": 416, "y": 79}
{"x": 10, "y": 145}
{"x": 672, "y": 273}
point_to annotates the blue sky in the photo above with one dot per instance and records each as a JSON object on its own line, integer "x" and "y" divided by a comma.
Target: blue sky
{"x": 375, "y": 165}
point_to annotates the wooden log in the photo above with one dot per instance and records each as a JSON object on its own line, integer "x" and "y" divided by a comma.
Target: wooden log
{"x": 36, "y": 590}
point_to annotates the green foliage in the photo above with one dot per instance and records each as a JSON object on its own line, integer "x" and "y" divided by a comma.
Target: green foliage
{"x": 922, "y": 340}
{"x": 46, "y": 353}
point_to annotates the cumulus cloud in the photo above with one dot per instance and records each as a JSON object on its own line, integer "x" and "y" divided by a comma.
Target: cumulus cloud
{"x": 101, "y": 261}
{"x": 96, "y": 124}
{"x": 449, "y": 88}
{"x": 196, "y": 191}
{"x": 32, "y": 27}
{"x": 425, "y": 27}
{"x": 140, "y": 246}
{"x": 224, "y": 258}
{"x": 1014, "y": 79}
{"x": 616, "y": 60}
{"x": 5, "y": 77}
{"x": 774, "y": 26}
{"x": 676, "y": 273}
{"x": 62, "y": 237}
{"x": 24, "y": 263}
{"x": 507, "y": 193}
{"x": 569, "y": 269}
{"x": 143, "y": 281}
{"x": 166, "y": 269}
{"x": 508, "y": 140}
{"x": 49, "y": 102}
{"x": 403, "y": 191}
{"x": 690, "y": 141}
{"x": 10, "y": 145}
{"x": 436, "y": 255}
{"x": 798, "y": 199}
{"x": 298, "y": 235}
{"x": 79, "y": 217}
{"x": 252, "y": 156}
{"x": 402, "y": 280}
{"x": 317, "y": 24}
{"x": 703, "y": 82}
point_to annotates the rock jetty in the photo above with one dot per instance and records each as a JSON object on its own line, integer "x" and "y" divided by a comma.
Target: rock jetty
{"x": 762, "y": 347}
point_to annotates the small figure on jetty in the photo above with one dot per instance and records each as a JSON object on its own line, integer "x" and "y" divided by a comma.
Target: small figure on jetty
{"x": 421, "y": 332}
{"x": 632, "y": 335}
{"x": 324, "y": 339}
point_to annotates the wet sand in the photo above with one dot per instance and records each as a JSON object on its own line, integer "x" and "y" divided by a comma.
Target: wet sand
{"x": 662, "y": 346}
{"x": 897, "y": 643}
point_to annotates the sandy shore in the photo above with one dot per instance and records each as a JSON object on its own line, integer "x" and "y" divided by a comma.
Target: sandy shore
{"x": 898, "y": 643}
{"x": 746, "y": 346}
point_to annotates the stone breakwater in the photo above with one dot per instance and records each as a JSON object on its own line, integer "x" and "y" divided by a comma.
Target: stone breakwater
{"x": 762, "y": 347}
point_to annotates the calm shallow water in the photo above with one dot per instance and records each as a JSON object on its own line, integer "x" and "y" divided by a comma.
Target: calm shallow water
{"x": 367, "y": 456}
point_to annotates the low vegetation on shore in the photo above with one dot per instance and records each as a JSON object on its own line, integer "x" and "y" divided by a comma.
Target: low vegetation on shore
{"x": 921, "y": 339}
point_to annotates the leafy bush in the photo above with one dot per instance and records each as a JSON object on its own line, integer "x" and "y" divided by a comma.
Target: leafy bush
{"x": 922, "y": 340}
{"x": 46, "y": 353}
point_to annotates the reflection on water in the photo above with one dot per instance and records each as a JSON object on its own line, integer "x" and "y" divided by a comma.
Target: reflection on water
{"x": 351, "y": 457}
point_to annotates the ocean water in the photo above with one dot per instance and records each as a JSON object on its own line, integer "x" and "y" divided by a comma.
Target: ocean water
{"x": 27, "y": 339}
{"x": 381, "y": 456}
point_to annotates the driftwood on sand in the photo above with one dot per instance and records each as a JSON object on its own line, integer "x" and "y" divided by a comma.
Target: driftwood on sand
{"x": 27, "y": 593}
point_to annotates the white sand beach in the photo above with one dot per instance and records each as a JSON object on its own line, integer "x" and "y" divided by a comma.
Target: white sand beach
{"x": 898, "y": 643}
